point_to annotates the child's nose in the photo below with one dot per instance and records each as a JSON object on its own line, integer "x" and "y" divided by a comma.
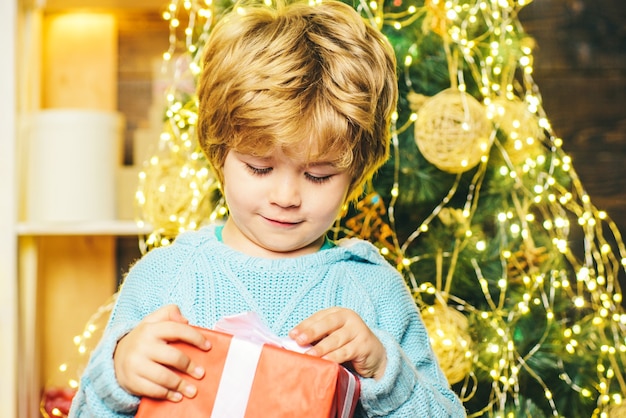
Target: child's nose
{"x": 285, "y": 192}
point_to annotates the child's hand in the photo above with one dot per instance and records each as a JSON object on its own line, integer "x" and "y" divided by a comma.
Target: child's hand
{"x": 143, "y": 357}
{"x": 339, "y": 334}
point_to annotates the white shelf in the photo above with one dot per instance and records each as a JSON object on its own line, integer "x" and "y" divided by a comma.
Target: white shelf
{"x": 110, "y": 228}
{"x": 56, "y": 5}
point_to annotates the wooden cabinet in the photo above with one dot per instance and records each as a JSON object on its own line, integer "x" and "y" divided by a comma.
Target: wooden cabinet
{"x": 66, "y": 273}
{"x": 9, "y": 356}
{"x": 63, "y": 54}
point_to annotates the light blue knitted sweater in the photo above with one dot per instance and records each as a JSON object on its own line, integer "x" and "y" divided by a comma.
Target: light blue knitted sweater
{"x": 209, "y": 280}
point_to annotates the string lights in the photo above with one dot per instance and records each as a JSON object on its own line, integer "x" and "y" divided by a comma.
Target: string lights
{"x": 510, "y": 240}
{"x": 176, "y": 188}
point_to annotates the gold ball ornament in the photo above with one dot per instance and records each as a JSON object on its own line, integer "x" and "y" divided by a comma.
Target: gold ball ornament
{"x": 448, "y": 332}
{"x": 173, "y": 197}
{"x": 452, "y": 131}
{"x": 618, "y": 411}
{"x": 520, "y": 125}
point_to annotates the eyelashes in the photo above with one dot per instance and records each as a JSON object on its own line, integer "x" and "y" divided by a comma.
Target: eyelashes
{"x": 257, "y": 171}
{"x": 316, "y": 179}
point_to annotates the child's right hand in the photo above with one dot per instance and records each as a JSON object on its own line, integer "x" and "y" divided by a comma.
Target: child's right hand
{"x": 143, "y": 359}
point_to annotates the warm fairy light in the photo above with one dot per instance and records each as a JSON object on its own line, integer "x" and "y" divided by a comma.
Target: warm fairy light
{"x": 484, "y": 42}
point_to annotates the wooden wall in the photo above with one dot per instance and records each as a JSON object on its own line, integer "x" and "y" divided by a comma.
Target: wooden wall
{"x": 580, "y": 68}
{"x": 143, "y": 38}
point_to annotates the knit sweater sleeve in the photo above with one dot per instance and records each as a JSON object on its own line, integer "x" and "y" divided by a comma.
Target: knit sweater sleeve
{"x": 408, "y": 389}
{"x": 99, "y": 394}
{"x": 413, "y": 384}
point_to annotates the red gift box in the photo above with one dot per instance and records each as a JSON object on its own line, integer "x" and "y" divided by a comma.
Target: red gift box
{"x": 248, "y": 379}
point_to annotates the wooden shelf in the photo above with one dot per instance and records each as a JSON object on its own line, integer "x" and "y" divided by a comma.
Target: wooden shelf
{"x": 63, "y": 5}
{"x": 103, "y": 228}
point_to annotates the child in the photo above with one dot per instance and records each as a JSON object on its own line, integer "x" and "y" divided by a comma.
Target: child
{"x": 295, "y": 105}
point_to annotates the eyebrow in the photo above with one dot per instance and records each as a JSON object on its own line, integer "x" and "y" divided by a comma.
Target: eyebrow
{"x": 320, "y": 163}
{"x": 325, "y": 164}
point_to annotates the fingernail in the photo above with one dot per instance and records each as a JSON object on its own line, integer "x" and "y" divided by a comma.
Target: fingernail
{"x": 198, "y": 372}
{"x": 190, "y": 391}
{"x": 176, "y": 396}
{"x": 207, "y": 344}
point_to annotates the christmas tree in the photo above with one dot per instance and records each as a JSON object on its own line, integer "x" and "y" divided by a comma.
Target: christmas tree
{"x": 514, "y": 269}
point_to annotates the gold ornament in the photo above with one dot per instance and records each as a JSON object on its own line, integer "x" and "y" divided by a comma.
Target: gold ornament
{"x": 618, "y": 411}
{"x": 526, "y": 261}
{"x": 436, "y": 18}
{"x": 452, "y": 131}
{"x": 449, "y": 337}
{"x": 521, "y": 127}
{"x": 173, "y": 197}
{"x": 369, "y": 224}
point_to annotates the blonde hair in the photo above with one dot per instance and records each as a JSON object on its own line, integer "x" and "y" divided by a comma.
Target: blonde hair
{"x": 280, "y": 75}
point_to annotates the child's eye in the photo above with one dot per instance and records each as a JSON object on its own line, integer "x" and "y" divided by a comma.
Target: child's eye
{"x": 259, "y": 171}
{"x": 317, "y": 179}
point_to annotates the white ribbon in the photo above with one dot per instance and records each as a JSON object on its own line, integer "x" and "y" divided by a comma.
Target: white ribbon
{"x": 248, "y": 326}
{"x": 349, "y": 398}
{"x": 236, "y": 382}
{"x": 249, "y": 335}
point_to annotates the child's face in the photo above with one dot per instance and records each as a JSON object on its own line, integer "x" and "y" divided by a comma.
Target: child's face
{"x": 281, "y": 206}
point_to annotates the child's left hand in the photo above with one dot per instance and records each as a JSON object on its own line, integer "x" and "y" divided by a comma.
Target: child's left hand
{"x": 340, "y": 335}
